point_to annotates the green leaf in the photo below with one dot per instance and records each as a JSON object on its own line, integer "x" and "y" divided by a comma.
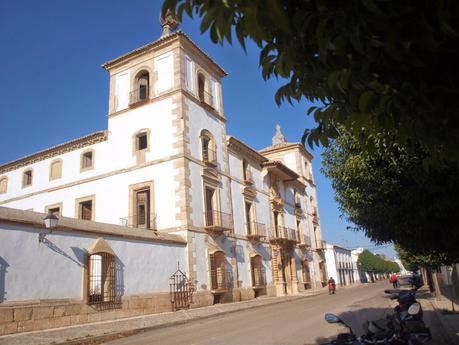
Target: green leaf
{"x": 365, "y": 101}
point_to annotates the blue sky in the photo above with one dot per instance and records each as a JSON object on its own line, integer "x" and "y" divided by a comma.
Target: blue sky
{"x": 53, "y": 89}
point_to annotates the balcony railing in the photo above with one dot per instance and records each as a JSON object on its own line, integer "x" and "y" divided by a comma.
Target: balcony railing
{"x": 139, "y": 96}
{"x": 258, "y": 277}
{"x": 305, "y": 241}
{"x": 256, "y": 231}
{"x": 133, "y": 222}
{"x": 206, "y": 98}
{"x": 209, "y": 157}
{"x": 282, "y": 233}
{"x": 217, "y": 221}
{"x": 221, "y": 279}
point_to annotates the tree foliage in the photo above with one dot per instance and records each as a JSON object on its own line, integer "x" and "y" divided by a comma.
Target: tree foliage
{"x": 413, "y": 262}
{"x": 387, "y": 66}
{"x": 368, "y": 262}
{"x": 391, "y": 197}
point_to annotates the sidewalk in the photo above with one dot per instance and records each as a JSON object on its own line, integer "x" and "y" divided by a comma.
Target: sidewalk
{"x": 448, "y": 319}
{"x": 98, "y": 332}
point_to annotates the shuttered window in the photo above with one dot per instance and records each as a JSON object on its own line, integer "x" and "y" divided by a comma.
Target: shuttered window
{"x": 27, "y": 178}
{"x": 55, "y": 170}
{"x": 3, "y": 184}
{"x": 122, "y": 91}
{"x": 143, "y": 208}
{"x": 189, "y": 73}
{"x": 87, "y": 160}
{"x": 214, "y": 94}
{"x": 86, "y": 210}
{"x": 164, "y": 68}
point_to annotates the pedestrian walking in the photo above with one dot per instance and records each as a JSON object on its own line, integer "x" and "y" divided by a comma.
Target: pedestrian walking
{"x": 394, "y": 280}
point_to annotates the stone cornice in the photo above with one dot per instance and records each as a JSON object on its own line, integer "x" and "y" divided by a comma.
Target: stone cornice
{"x": 158, "y": 43}
{"x": 65, "y": 224}
{"x": 238, "y": 146}
{"x": 278, "y": 167}
{"x": 68, "y": 146}
{"x": 286, "y": 147}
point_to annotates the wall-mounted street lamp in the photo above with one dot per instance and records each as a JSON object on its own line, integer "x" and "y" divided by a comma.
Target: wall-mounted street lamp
{"x": 50, "y": 222}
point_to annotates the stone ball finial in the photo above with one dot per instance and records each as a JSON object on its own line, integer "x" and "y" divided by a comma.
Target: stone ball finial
{"x": 278, "y": 138}
{"x": 168, "y": 22}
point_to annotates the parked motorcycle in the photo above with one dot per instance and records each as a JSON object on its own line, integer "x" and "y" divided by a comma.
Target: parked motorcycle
{"x": 391, "y": 331}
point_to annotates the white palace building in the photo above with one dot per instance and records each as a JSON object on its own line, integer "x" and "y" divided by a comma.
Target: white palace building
{"x": 164, "y": 210}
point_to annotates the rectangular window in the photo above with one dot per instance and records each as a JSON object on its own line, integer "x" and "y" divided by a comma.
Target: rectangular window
{"x": 164, "y": 67}
{"x": 86, "y": 160}
{"x": 27, "y": 178}
{"x": 122, "y": 91}
{"x": 189, "y": 73}
{"x": 142, "y": 141}
{"x": 55, "y": 210}
{"x": 85, "y": 210}
{"x": 143, "y": 208}
{"x": 214, "y": 92}
{"x": 209, "y": 196}
{"x": 248, "y": 217}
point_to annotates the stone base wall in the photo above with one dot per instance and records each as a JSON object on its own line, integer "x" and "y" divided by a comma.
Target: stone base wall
{"x": 16, "y": 317}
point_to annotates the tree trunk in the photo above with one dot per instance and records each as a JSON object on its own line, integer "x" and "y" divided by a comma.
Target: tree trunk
{"x": 437, "y": 285}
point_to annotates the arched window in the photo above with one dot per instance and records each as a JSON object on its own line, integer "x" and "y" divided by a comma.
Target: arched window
{"x": 220, "y": 273}
{"x": 101, "y": 273}
{"x": 27, "y": 178}
{"x": 55, "y": 169}
{"x": 3, "y": 184}
{"x": 141, "y": 88}
{"x": 208, "y": 149}
{"x": 201, "y": 87}
{"x": 258, "y": 272}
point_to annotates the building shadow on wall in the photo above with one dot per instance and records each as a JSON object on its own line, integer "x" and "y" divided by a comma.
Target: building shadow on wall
{"x": 3, "y": 271}
{"x": 58, "y": 250}
{"x": 119, "y": 274}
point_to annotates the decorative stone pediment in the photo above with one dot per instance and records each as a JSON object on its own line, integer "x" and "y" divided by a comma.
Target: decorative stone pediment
{"x": 210, "y": 176}
{"x": 249, "y": 192}
{"x": 277, "y": 203}
{"x": 100, "y": 246}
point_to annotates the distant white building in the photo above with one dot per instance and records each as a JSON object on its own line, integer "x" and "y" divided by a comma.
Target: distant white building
{"x": 359, "y": 276}
{"x": 163, "y": 188}
{"x": 403, "y": 271}
{"x": 339, "y": 264}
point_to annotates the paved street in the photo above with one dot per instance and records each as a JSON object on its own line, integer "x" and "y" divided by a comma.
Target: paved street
{"x": 297, "y": 322}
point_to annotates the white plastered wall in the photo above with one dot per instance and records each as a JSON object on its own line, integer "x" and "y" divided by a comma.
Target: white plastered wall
{"x": 112, "y": 196}
{"x": 54, "y": 269}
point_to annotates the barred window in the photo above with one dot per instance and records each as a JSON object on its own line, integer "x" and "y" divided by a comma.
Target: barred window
{"x": 101, "y": 278}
